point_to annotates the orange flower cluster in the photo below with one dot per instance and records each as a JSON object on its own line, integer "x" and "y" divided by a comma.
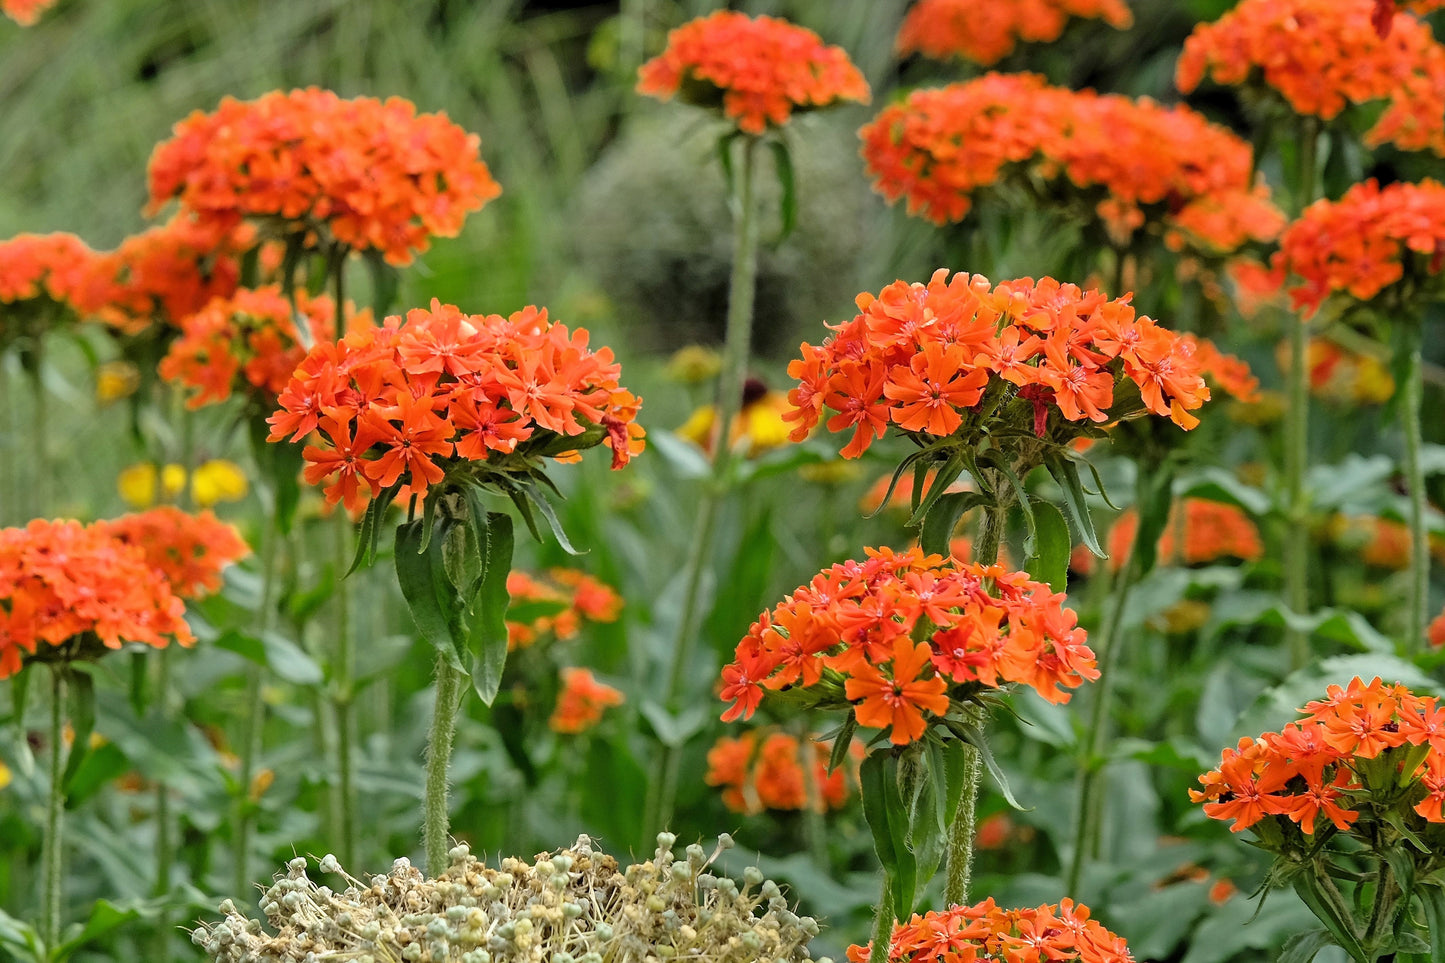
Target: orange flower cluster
{"x": 1380, "y": 542}
{"x": 248, "y": 342}
{"x": 1224, "y": 371}
{"x": 986, "y": 933}
{"x": 166, "y": 273}
{"x": 581, "y": 702}
{"x": 25, "y": 12}
{"x": 189, "y": 551}
{"x": 363, "y": 173}
{"x": 1124, "y": 161}
{"x": 1383, "y": 16}
{"x": 556, "y": 605}
{"x": 758, "y": 69}
{"x": 1211, "y": 530}
{"x": 63, "y": 581}
{"x": 1435, "y": 633}
{"x": 1320, "y": 55}
{"x": 1368, "y": 240}
{"x": 764, "y": 769}
{"x": 1340, "y": 374}
{"x": 986, "y": 33}
{"x": 1359, "y": 741}
{"x": 59, "y": 267}
{"x": 956, "y": 357}
{"x": 408, "y": 402}
{"x": 846, "y": 637}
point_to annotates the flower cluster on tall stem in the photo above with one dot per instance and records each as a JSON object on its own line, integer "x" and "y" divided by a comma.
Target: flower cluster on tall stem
{"x": 1123, "y": 162}
{"x": 943, "y": 29}
{"x": 987, "y": 933}
{"x": 188, "y": 551}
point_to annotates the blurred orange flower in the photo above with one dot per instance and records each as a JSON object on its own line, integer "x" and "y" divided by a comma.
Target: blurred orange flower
{"x": 767, "y": 769}
{"x": 581, "y": 702}
{"x": 25, "y": 12}
{"x": 758, "y": 69}
{"x": 189, "y": 551}
{"x": 1211, "y": 531}
{"x": 985, "y": 33}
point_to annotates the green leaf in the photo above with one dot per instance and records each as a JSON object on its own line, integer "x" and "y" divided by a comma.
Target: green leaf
{"x": 538, "y": 498}
{"x": 20, "y": 939}
{"x": 463, "y": 556}
{"x": 946, "y": 475}
{"x": 783, "y": 163}
{"x": 105, "y": 918}
{"x": 273, "y": 650}
{"x": 1066, "y": 476}
{"x": 938, "y": 525}
{"x": 973, "y": 735}
{"x": 101, "y": 766}
{"x": 673, "y": 729}
{"x": 841, "y": 741}
{"x": 81, "y": 692}
{"x": 1052, "y": 545}
{"x": 1432, "y": 898}
{"x": 428, "y": 594}
{"x": 487, "y": 616}
{"x": 385, "y": 282}
{"x": 893, "y": 482}
{"x": 887, "y": 816}
{"x": 1156, "y": 495}
{"x": 1302, "y": 947}
{"x": 1330, "y": 912}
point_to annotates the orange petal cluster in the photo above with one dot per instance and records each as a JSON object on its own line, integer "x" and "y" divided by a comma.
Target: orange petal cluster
{"x": 556, "y": 604}
{"x": 188, "y": 551}
{"x": 758, "y": 69}
{"x": 1435, "y": 632}
{"x": 581, "y": 702}
{"x": 1321, "y": 55}
{"x": 248, "y": 342}
{"x": 987, "y": 933}
{"x": 405, "y": 403}
{"x": 1383, "y": 16}
{"x": 848, "y": 635}
{"x": 985, "y": 33}
{"x": 765, "y": 769}
{"x": 1211, "y": 531}
{"x": 1124, "y": 161}
{"x": 61, "y": 581}
{"x": 25, "y": 12}
{"x": 1368, "y": 240}
{"x": 922, "y": 356}
{"x": 364, "y": 173}
{"x": 168, "y": 272}
{"x": 1331, "y": 762}
{"x": 58, "y": 267}
{"x": 1224, "y": 371}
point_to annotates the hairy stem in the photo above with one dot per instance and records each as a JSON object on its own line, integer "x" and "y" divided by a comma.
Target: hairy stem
{"x": 435, "y": 818}
{"x": 343, "y": 671}
{"x": 255, "y": 708}
{"x": 52, "y": 894}
{"x": 1414, "y": 391}
{"x": 883, "y": 920}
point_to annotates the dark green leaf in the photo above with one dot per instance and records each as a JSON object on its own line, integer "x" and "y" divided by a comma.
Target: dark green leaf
{"x": 946, "y": 475}
{"x": 1155, "y": 496}
{"x": 1066, "y": 476}
{"x": 81, "y": 692}
{"x": 841, "y": 741}
{"x": 539, "y": 499}
{"x": 973, "y": 735}
{"x": 1052, "y": 545}
{"x": 105, "y": 918}
{"x": 1432, "y": 898}
{"x": 937, "y": 530}
{"x": 100, "y": 767}
{"x": 385, "y": 281}
{"x": 887, "y": 819}
{"x": 428, "y": 593}
{"x": 1329, "y": 911}
{"x": 487, "y": 618}
{"x": 893, "y": 482}
{"x": 462, "y": 556}
{"x": 783, "y": 163}
{"x": 1303, "y": 947}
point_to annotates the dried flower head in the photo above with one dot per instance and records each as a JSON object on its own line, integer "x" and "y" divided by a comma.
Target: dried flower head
{"x": 188, "y": 551}
{"x": 1126, "y": 163}
{"x": 987, "y": 933}
{"x": 986, "y": 33}
{"x": 1321, "y": 55}
{"x": 759, "y": 70}
{"x": 362, "y": 173}
{"x": 573, "y": 906}
{"x": 443, "y": 392}
{"x": 846, "y": 640}
{"x": 78, "y": 590}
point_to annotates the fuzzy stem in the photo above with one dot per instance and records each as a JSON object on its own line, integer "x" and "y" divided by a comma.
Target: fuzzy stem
{"x": 438, "y": 758}
{"x": 662, "y": 788}
{"x": 1296, "y": 453}
{"x": 52, "y": 892}
{"x": 883, "y": 921}
{"x": 255, "y": 708}
{"x": 1414, "y": 392}
{"x": 342, "y": 673}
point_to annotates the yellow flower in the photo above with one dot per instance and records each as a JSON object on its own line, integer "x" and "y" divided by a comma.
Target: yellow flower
{"x": 694, "y": 364}
{"x": 115, "y": 380}
{"x": 760, "y": 422}
{"x": 137, "y": 484}
{"x": 173, "y": 481}
{"x": 4, "y": 775}
{"x": 218, "y": 480}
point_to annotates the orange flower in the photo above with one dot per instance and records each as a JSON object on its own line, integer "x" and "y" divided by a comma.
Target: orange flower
{"x": 1320, "y": 55}
{"x": 1369, "y": 240}
{"x": 511, "y": 387}
{"x": 1168, "y": 166}
{"x": 58, "y": 268}
{"x": 767, "y": 769}
{"x": 556, "y": 604}
{"x": 166, "y": 273}
{"x": 74, "y": 586}
{"x": 921, "y": 357}
{"x": 1211, "y": 531}
{"x": 986, "y": 933}
{"x": 986, "y": 33}
{"x": 363, "y": 173}
{"x": 758, "y": 69}
{"x": 1436, "y": 632}
{"x": 189, "y": 551}
{"x": 25, "y": 12}
{"x": 581, "y": 701}
{"x": 846, "y": 637}
{"x": 1383, "y": 16}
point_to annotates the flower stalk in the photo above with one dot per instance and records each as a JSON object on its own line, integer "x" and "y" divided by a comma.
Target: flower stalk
{"x": 1414, "y": 392}
{"x": 52, "y": 891}
{"x": 255, "y": 707}
{"x": 435, "y": 818}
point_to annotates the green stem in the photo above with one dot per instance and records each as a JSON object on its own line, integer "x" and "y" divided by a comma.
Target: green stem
{"x": 814, "y": 832}
{"x": 438, "y": 757}
{"x": 343, "y": 673}
{"x": 255, "y": 709}
{"x": 883, "y": 921}
{"x": 165, "y": 845}
{"x": 10, "y": 459}
{"x": 662, "y": 788}
{"x": 52, "y": 893}
{"x": 40, "y": 486}
{"x": 1414, "y": 392}
{"x": 1296, "y": 453}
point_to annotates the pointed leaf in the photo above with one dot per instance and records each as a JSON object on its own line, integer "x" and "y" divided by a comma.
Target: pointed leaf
{"x": 938, "y": 525}
{"x": 974, "y": 736}
{"x": 945, "y": 476}
{"x": 1052, "y": 544}
{"x": 1432, "y": 898}
{"x": 81, "y": 693}
{"x": 1066, "y": 475}
{"x": 428, "y": 594}
{"x": 783, "y": 163}
{"x": 1303, "y": 947}
{"x": 841, "y": 741}
{"x": 487, "y": 620}
{"x": 893, "y": 482}
{"x": 1327, "y": 910}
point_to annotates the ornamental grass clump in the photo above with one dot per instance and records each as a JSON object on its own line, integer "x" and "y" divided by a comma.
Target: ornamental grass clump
{"x": 576, "y": 905}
